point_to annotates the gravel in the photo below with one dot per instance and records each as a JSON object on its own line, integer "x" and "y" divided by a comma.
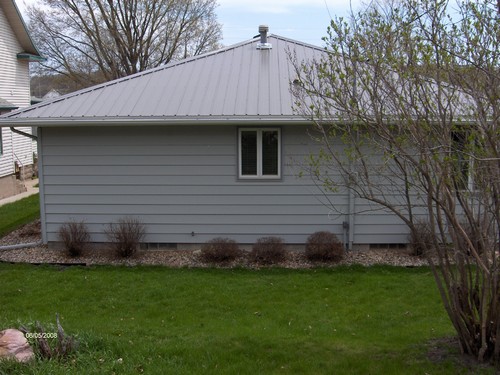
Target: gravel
{"x": 181, "y": 258}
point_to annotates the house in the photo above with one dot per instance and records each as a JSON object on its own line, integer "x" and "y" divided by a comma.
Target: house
{"x": 201, "y": 148}
{"x": 16, "y": 52}
{"x": 52, "y": 94}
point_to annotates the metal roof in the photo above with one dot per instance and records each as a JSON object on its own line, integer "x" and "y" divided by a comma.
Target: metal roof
{"x": 234, "y": 84}
{"x": 19, "y": 27}
{"x": 6, "y": 105}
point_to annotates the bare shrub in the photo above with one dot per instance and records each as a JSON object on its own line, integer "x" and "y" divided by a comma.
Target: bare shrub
{"x": 50, "y": 343}
{"x": 126, "y": 235}
{"x": 420, "y": 238}
{"x": 477, "y": 237}
{"x": 324, "y": 247}
{"x": 220, "y": 250}
{"x": 268, "y": 250}
{"x": 31, "y": 229}
{"x": 75, "y": 237}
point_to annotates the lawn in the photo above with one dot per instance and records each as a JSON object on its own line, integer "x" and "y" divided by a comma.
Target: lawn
{"x": 155, "y": 320}
{"x": 13, "y": 215}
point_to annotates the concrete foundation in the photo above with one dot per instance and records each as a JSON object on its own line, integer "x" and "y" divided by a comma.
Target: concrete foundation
{"x": 10, "y": 185}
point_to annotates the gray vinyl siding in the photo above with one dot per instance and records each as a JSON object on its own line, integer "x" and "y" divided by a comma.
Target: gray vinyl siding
{"x": 183, "y": 180}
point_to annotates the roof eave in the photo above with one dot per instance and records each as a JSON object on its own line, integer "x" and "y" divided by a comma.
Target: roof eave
{"x": 20, "y": 29}
{"x": 30, "y": 57}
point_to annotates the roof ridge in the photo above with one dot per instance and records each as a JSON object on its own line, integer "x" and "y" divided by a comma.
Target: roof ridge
{"x": 297, "y": 42}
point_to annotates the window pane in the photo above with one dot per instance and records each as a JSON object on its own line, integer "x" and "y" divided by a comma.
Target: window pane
{"x": 249, "y": 153}
{"x": 270, "y": 153}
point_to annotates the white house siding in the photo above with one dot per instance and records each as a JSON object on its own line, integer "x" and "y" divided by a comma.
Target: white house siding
{"x": 15, "y": 88}
{"x": 181, "y": 181}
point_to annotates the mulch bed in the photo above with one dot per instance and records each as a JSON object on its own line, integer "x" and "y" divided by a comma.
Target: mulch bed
{"x": 182, "y": 258}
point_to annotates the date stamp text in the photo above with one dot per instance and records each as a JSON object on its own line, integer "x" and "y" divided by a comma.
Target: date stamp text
{"x": 41, "y": 335}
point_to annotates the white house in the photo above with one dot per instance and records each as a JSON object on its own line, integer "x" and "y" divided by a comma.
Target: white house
{"x": 205, "y": 147}
{"x": 16, "y": 52}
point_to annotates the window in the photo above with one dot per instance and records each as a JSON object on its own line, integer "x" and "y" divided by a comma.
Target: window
{"x": 259, "y": 153}
{"x": 1, "y": 142}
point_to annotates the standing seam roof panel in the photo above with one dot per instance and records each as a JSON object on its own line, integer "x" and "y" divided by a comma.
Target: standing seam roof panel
{"x": 218, "y": 94}
{"x": 231, "y": 98}
{"x": 262, "y": 79}
{"x": 110, "y": 104}
{"x": 170, "y": 93}
{"x": 247, "y": 100}
{"x": 188, "y": 105}
{"x": 206, "y": 87}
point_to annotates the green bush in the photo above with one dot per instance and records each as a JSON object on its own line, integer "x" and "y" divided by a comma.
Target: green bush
{"x": 220, "y": 250}
{"x": 268, "y": 250}
{"x": 324, "y": 247}
{"x": 75, "y": 237}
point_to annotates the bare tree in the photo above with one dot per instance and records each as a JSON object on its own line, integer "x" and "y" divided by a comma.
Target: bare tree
{"x": 406, "y": 105}
{"x": 92, "y": 41}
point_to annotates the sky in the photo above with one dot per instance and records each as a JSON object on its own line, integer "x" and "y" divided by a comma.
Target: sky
{"x": 303, "y": 20}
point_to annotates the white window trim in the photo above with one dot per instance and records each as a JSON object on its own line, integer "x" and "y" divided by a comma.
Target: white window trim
{"x": 259, "y": 175}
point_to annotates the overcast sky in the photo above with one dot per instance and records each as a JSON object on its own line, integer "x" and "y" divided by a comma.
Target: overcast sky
{"x": 303, "y": 20}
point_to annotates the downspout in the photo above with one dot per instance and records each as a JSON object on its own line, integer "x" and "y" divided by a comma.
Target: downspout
{"x": 348, "y": 224}
{"x": 351, "y": 218}
{"x": 21, "y": 245}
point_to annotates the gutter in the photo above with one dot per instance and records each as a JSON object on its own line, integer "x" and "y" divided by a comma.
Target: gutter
{"x": 153, "y": 121}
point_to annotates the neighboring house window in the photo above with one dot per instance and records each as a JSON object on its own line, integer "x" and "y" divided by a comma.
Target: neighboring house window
{"x": 259, "y": 153}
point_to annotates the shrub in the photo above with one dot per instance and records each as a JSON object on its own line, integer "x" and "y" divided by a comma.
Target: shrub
{"x": 420, "y": 238}
{"x": 479, "y": 237}
{"x": 50, "y": 343}
{"x": 74, "y": 236}
{"x": 268, "y": 250}
{"x": 31, "y": 229}
{"x": 220, "y": 250}
{"x": 125, "y": 236}
{"x": 325, "y": 247}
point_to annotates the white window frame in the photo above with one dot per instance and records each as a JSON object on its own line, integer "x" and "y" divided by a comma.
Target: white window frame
{"x": 259, "y": 175}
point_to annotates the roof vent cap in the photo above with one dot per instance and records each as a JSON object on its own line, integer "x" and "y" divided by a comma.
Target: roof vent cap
{"x": 263, "y": 44}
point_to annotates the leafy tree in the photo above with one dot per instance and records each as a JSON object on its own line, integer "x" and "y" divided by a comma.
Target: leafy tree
{"x": 92, "y": 41}
{"x": 406, "y": 105}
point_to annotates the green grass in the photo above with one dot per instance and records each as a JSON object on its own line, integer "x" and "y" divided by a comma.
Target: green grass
{"x": 346, "y": 320}
{"x": 13, "y": 215}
